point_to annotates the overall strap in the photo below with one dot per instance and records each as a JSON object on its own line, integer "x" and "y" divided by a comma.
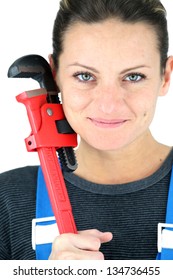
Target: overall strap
{"x": 165, "y": 231}
{"x": 44, "y": 227}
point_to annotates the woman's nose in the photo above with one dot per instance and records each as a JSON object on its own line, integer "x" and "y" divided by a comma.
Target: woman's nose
{"x": 110, "y": 99}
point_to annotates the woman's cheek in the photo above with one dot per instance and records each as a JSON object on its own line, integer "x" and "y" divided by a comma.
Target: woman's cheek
{"x": 74, "y": 102}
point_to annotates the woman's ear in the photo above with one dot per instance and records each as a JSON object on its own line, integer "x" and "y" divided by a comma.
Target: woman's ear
{"x": 53, "y": 68}
{"x": 167, "y": 76}
{"x": 52, "y": 65}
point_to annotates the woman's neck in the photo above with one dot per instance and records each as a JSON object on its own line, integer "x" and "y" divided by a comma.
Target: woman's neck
{"x": 139, "y": 160}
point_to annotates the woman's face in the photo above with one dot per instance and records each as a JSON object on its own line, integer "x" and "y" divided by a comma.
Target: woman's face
{"x": 109, "y": 77}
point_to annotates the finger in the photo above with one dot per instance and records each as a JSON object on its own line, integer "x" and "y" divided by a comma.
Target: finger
{"x": 78, "y": 254}
{"x": 70, "y": 241}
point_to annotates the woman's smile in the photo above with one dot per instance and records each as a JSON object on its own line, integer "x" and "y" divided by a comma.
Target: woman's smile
{"x": 104, "y": 123}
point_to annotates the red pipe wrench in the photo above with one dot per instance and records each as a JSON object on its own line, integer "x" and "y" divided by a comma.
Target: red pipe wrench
{"x": 50, "y": 134}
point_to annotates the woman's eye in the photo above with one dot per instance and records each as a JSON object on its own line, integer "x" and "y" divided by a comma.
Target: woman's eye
{"x": 84, "y": 77}
{"x": 135, "y": 77}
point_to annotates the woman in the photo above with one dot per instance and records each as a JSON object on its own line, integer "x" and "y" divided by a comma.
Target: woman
{"x": 110, "y": 64}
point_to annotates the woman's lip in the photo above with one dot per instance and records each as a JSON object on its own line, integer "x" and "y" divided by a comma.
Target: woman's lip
{"x": 107, "y": 123}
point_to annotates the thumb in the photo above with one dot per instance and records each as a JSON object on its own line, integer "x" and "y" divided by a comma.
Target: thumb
{"x": 102, "y": 236}
{"x": 105, "y": 237}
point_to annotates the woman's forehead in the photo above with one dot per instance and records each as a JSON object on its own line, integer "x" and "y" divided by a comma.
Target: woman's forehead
{"x": 111, "y": 37}
{"x": 111, "y": 29}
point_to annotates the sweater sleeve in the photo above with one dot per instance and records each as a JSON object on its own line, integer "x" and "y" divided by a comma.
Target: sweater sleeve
{"x": 5, "y": 223}
{"x": 17, "y": 209}
{"x": 4, "y": 254}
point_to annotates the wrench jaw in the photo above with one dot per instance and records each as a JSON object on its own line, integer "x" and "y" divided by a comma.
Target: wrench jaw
{"x": 36, "y": 67}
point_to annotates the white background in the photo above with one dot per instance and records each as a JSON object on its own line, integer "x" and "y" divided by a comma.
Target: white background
{"x": 26, "y": 28}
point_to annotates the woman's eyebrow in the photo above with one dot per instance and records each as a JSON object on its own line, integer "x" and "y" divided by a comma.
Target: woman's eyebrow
{"x": 134, "y": 68}
{"x": 84, "y": 66}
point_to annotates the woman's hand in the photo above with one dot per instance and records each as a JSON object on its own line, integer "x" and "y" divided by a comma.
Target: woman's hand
{"x": 82, "y": 246}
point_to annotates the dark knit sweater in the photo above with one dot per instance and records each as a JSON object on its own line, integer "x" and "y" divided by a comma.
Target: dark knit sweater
{"x": 130, "y": 211}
